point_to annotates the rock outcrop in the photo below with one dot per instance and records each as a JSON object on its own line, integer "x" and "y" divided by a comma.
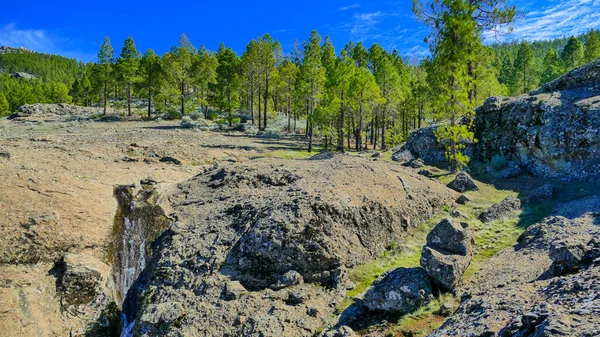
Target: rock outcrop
{"x": 554, "y": 131}
{"x": 263, "y": 247}
{"x": 546, "y": 285}
{"x": 448, "y": 253}
{"x": 501, "y": 210}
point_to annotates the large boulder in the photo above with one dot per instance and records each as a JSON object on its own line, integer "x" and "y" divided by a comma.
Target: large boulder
{"x": 504, "y": 209}
{"x": 463, "y": 183}
{"x": 451, "y": 237}
{"x": 422, "y": 143}
{"x": 554, "y": 131}
{"x": 446, "y": 270}
{"x": 399, "y": 291}
{"x": 448, "y": 253}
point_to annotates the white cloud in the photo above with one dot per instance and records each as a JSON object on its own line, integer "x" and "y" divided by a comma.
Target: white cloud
{"x": 345, "y": 8}
{"x": 34, "y": 39}
{"x": 38, "y": 40}
{"x": 554, "y": 19}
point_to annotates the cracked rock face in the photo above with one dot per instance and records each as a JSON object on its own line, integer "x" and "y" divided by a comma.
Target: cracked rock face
{"x": 555, "y": 131}
{"x": 262, "y": 248}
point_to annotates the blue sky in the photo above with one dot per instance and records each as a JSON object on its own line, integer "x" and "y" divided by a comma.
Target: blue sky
{"x": 76, "y": 28}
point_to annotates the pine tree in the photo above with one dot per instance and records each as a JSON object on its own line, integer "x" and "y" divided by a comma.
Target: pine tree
{"x": 366, "y": 96}
{"x": 205, "y": 74}
{"x": 552, "y": 68}
{"x": 313, "y": 76}
{"x": 226, "y": 89}
{"x": 251, "y": 76}
{"x": 105, "y": 68}
{"x": 4, "y": 107}
{"x": 454, "y": 44}
{"x": 128, "y": 65}
{"x": 525, "y": 71}
{"x": 269, "y": 56}
{"x": 150, "y": 72}
{"x": 288, "y": 73}
{"x": 178, "y": 63}
{"x": 592, "y": 47}
{"x": 572, "y": 56}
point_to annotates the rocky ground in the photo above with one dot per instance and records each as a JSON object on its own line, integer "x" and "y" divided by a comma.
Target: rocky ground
{"x": 57, "y": 198}
{"x": 152, "y": 229}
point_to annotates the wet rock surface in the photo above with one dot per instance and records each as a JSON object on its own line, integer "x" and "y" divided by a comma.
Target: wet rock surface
{"x": 546, "y": 285}
{"x": 285, "y": 238}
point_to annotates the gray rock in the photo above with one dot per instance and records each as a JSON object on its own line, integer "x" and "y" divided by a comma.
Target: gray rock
{"x": 448, "y": 253}
{"x": 463, "y": 183}
{"x": 399, "y": 291}
{"x": 512, "y": 170}
{"x": 542, "y": 193}
{"x": 402, "y": 156}
{"x": 501, "y": 210}
{"x": 169, "y": 159}
{"x": 291, "y": 278}
{"x": 342, "y": 331}
{"x": 414, "y": 163}
{"x": 546, "y": 285}
{"x": 446, "y": 270}
{"x": 463, "y": 200}
{"x": 425, "y": 173}
{"x": 234, "y": 290}
{"x": 451, "y": 237}
{"x": 554, "y": 132}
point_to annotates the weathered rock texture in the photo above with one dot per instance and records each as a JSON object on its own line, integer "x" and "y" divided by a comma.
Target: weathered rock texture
{"x": 448, "y": 253}
{"x": 546, "y": 285}
{"x": 284, "y": 232}
{"x": 553, "y": 132}
{"x": 399, "y": 291}
{"x": 501, "y": 210}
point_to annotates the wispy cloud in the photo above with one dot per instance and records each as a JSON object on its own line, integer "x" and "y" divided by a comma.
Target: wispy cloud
{"x": 345, "y": 8}
{"x": 554, "y": 19}
{"x": 39, "y": 40}
{"x": 35, "y": 39}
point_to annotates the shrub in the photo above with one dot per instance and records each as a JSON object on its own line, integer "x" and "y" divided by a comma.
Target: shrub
{"x": 171, "y": 115}
{"x": 196, "y": 115}
{"x": 498, "y": 163}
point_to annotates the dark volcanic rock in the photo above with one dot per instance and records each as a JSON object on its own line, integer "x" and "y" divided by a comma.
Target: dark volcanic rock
{"x": 400, "y": 291}
{"x": 168, "y": 159}
{"x": 282, "y": 231}
{"x": 414, "y": 163}
{"x": 463, "y": 183}
{"x": 448, "y": 253}
{"x": 423, "y": 144}
{"x": 463, "y": 200}
{"x": 542, "y": 193}
{"x": 546, "y": 285}
{"x": 501, "y": 210}
{"x": 451, "y": 237}
{"x": 554, "y": 131}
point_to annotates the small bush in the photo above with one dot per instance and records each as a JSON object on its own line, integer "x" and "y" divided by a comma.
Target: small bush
{"x": 235, "y": 120}
{"x": 172, "y": 115}
{"x": 498, "y": 163}
{"x": 196, "y": 115}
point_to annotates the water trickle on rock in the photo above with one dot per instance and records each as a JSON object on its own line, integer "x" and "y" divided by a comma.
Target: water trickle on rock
{"x": 138, "y": 223}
